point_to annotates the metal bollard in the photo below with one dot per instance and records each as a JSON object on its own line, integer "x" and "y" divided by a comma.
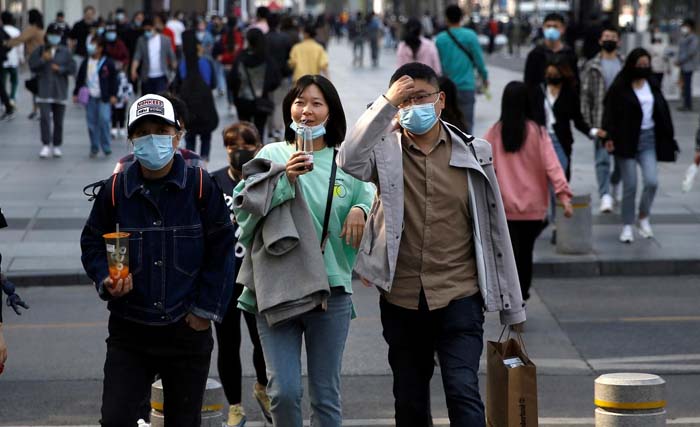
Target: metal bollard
{"x": 212, "y": 405}
{"x": 575, "y": 234}
{"x": 630, "y": 400}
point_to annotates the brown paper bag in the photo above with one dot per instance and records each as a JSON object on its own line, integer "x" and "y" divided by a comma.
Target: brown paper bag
{"x": 511, "y": 393}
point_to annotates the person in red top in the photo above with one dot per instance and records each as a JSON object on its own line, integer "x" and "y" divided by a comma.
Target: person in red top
{"x": 525, "y": 163}
{"x": 115, "y": 48}
{"x": 159, "y": 24}
{"x": 226, "y": 51}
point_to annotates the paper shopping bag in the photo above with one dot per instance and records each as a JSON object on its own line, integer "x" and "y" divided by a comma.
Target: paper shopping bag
{"x": 511, "y": 387}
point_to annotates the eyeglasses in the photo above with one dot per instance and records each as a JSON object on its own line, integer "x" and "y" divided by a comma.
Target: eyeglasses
{"x": 419, "y": 99}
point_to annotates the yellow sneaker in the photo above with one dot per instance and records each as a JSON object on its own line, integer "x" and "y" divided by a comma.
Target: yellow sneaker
{"x": 236, "y": 416}
{"x": 260, "y": 394}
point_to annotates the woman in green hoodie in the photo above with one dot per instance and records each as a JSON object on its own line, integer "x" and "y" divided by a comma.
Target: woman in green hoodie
{"x": 313, "y": 103}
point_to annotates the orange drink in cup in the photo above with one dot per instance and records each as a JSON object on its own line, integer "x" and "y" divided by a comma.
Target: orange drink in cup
{"x": 117, "y": 255}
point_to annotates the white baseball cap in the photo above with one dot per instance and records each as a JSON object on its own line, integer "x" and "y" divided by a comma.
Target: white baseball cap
{"x": 152, "y": 105}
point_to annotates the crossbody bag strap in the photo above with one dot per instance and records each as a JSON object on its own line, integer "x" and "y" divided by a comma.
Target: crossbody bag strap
{"x": 329, "y": 202}
{"x": 461, "y": 46}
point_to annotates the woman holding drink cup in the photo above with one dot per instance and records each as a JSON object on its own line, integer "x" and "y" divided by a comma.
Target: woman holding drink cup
{"x": 313, "y": 107}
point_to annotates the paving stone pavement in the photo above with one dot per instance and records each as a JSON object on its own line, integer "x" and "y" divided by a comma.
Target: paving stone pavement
{"x": 45, "y": 206}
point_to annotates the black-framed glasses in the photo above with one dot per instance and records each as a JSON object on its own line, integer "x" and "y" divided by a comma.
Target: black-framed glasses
{"x": 419, "y": 99}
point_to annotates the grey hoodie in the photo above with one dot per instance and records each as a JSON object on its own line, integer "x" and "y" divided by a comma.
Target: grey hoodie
{"x": 284, "y": 265}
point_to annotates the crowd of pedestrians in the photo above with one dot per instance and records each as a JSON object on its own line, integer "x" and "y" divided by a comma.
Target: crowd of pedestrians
{"x": 368, "y": 198}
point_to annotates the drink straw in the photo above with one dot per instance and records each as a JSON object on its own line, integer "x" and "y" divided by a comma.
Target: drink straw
{"x": 118, "y": 250}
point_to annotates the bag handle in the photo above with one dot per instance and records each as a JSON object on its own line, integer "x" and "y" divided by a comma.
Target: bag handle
{"x": 519, "y": 335}
{"x": 329, "y": 202}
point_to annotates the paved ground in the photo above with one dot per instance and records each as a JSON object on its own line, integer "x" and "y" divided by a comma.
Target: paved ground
{"x": 577, "y": 329}
{"x": 46, "y": 208}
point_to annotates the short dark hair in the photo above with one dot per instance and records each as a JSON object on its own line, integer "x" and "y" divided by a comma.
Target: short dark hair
{"x": 244, "y": 130}
{"x": 310, "y": 29}
{"x": 89, "y": 7}
{"x": 336, "y": 125}
{"x": 7, "y": 18}
{"x": 689, "y": 22}
{"x": 554, "y": 16}
{"x": 147, "y": 22}
{"x": 101, "y": 43}
{"x": 417, "y": 71}
{"x": 60, "y": 14}
{"x": 273, "y": 21}
{"x": 35, "y": 18}
{"x": 611, "y": 28}
{"x": 262, "y": 12}
{"x": 454, "y": 14}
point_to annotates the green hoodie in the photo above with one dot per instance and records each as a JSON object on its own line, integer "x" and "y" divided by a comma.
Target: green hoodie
{"x": 349, "y": 192}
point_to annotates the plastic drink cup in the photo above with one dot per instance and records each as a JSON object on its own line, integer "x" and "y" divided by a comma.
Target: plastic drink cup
{"x": 117, "y": 255}
{"x": 308, "y": 147}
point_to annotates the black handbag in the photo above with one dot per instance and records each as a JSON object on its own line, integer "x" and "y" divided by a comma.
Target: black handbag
{"x": 32, "y": 85}
{"x": 262, "y": 103}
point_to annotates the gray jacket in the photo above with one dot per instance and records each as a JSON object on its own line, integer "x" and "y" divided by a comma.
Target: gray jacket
{"x": 285, "y": 270}
{"x": 167, "y": 56}
{"x": 53, "y": 85}
{"x": 373, "y": 152}
{"x": 688, "y": 53}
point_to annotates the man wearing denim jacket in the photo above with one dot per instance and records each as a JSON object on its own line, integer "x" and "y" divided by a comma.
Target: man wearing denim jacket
{"x": 436, "y": 244}
{"x": 181, "y": 244}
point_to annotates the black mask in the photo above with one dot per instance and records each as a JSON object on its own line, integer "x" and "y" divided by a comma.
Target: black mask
{"x": 609, "y": 45}
{"x": 641, "y": 72}
{"x": 554, "y": 80}
{"x": 240, "y": 157}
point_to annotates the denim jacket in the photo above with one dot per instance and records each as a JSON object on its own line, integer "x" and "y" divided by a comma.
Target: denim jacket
{"x": 181, "y": 248}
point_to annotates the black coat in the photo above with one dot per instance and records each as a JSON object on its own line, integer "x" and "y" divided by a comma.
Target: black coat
{"x": 536, "y": 63}
{"x": 566, "y": 108}
{"x": 622, "y": 119}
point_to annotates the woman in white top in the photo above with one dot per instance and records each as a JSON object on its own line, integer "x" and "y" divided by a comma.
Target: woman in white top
{"x": 640, "y": 131}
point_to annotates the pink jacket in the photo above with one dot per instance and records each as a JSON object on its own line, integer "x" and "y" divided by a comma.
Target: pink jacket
{"x": 523, "y": 176}
{"x": 427, "y": 54}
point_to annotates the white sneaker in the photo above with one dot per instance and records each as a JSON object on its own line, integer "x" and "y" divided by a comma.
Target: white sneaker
{"x": 113, "y": 132}
{"x": 232, "y": 111}
{"x": 645, "y": 228}
{"x": 57, "y": 152}
{"x": 122, "y": 132}
{"x": 627, "y": 235}
{"x": 606, "y": 203}
{"x": 45, "y": 152}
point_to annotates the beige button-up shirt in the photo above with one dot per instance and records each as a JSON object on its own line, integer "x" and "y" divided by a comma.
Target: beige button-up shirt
{"x": 437, "y": 248}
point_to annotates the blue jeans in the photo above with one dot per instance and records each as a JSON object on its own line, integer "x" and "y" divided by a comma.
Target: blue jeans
{"x": 564, "y": 162}
{"x": 466, "y": 99}
{"x": 602, "y": 168}
{"x": 325, "y": 334}
{"x": 456, "y": 333}
{"x": 646, "y": 157}
{"x": 99, "y": 118}
{"x": 687, "y": 89}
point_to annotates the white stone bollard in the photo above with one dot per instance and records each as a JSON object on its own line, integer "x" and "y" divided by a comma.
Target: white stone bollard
{"x": 630, "y": 400}
{"x": 212, "y": 406}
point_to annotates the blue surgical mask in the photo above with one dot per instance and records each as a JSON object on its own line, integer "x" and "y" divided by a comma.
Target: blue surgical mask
{"x": 200, "y": 35}
{"x": 53, "y": 39}
{"x": 91, "y": 48}
{"x": 418, "y": 119}
{"x": 120, "y": 17}
{"x": 148, "y": 34}
{"x": 551, "y": 34}
{"x": 111, "y": 36}
{"x": 154, "y": 151}
{"x": 316, "y": 131}
{"x": 100, "y": 31}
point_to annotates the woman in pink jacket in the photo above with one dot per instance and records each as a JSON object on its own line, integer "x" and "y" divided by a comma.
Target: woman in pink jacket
{"x": 525, "y": 162}
{"x": 416, "y": 48}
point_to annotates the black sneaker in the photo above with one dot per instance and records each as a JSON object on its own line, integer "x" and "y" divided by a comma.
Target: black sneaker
{"x": 8, "y": 115}
{"x": 33, "y": 115}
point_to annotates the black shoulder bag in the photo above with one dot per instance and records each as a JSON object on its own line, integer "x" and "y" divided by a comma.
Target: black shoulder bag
{"x": 262, "y": 103}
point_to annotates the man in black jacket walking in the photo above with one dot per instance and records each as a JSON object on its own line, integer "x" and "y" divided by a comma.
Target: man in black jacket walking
{"x": 554, "y": 28}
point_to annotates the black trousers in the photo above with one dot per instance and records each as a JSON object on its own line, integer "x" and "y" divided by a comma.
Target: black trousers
{"x": 136, "y": 354}
{"x": 228, "y": 335}
{"x": 119, "y": 117}
{"x": 456, "y": 333}
{"x": 523, "y": 235}
{"x": 4, "y": 97}
{"x": 247, "y": 112}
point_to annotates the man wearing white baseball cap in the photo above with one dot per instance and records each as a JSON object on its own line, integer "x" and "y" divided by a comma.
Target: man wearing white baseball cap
{"x": 180, "y": 249}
